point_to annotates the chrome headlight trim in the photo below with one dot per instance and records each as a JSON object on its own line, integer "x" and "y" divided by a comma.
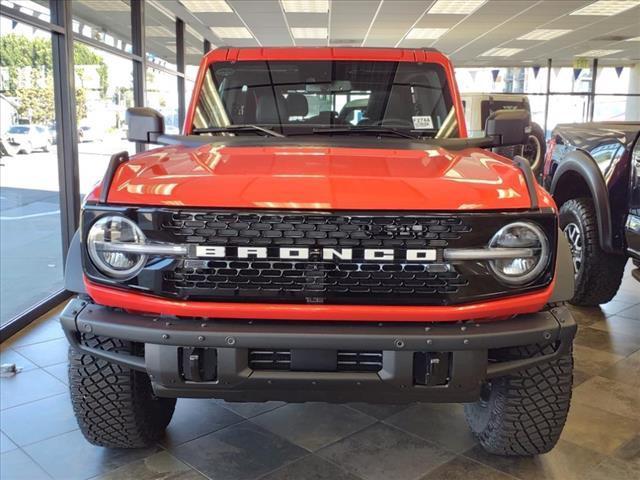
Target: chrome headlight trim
{"x": 542, "y": 253}
{"x": 96, "y": 244}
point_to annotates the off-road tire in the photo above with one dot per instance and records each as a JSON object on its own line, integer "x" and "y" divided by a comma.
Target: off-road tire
{"x": 600, "y": 273}
{"x": 114, "y": 405}
{"x": 538, "y": 134}
{"x": 523, "y": 414}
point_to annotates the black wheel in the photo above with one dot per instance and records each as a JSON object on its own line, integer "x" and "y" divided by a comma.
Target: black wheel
{"x": 524, "y": 413}
{"x": 114, "y": 405}
{"x": 598, "y": 274}
{"x": 535, "y": 149}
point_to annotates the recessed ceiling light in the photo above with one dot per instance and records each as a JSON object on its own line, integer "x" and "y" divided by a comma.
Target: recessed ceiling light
{"x": 598, "y": 53}
{"x": 158, "y": 31}
{"x": 232, "y": 32}
{"x": 455, "y": 7}
{"x": 501, "y": 52}
{"x": 305, "y": 6}
{"x": 309, "y": 32}
{"x": 218, "y": 6}
{"x": 426, "y": 33}
{"x": 544, "y": 34}
{"x": 606, "y": 7}
{"x": 106, "y": 6}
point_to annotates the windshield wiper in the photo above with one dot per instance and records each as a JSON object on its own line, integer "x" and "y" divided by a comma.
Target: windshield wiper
{"x": 237, "y": 128}
{"x": 372, "y": 129}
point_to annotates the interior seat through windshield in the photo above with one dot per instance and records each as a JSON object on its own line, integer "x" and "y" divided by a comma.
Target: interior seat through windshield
{"x": 304, "y": 96}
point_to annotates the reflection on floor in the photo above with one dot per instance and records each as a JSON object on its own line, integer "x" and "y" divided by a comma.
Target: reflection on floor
{"x": 210, "y": 439}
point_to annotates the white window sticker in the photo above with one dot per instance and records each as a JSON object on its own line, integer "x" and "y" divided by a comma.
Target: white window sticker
{"x": 422, "y": 122}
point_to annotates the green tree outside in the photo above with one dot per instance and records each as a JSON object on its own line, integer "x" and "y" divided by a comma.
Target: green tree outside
{"x": 18, "y": 52}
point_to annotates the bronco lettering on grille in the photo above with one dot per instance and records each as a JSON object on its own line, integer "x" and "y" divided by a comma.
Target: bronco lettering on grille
{"x": 304, "y": 253}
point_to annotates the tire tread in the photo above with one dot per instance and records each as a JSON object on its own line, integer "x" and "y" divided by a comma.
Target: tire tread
{"x": 114, "y": 405}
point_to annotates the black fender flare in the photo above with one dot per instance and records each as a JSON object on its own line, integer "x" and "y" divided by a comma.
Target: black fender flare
{"x": 73, "y": 272}
{"x": 583, "y": 164}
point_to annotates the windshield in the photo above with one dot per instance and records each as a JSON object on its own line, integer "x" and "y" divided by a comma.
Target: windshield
{"x": 18, "y": 129}
{"x": 306, "y": 97}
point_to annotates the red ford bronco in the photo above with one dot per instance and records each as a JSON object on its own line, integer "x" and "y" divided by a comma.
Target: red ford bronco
{"x": 323, "y": 230}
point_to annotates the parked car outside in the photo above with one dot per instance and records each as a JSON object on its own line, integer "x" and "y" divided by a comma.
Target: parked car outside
{"x": 88, "y": 133}
{"x": 27, "y": 138}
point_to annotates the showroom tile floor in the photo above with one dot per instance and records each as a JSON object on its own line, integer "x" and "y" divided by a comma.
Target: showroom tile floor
{"x": 39, "y": 437}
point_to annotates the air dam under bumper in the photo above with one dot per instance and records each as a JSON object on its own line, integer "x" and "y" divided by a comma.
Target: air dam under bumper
{"x": 429, "y": 362}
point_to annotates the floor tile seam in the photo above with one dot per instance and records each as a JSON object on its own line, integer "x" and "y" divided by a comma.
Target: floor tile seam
{"x": 169, "y": 447}
{"x": 37, "y": 463}
{"x": 42, "y": 439}
{"x": 495, "y": 469}
{"x": 323, "y": 446}
{"x": 14, "y": 347}
{"x": 3, "y": 409}
{"x": 431, "y": 442}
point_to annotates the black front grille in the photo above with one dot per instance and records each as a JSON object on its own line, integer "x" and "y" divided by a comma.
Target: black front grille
{"x": 274, "y": 278}
{"x": 347, "y": 361}
{"x": 291, "y": 279}
{"x": 315, "y": 230}
{"x": 312, "y": 280}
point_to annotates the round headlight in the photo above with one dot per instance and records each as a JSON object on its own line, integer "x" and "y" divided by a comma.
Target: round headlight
{"x": 524, "y": 269}
{"x": 103, "y": 241}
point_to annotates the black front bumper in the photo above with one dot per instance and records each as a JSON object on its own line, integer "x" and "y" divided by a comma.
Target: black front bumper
{"x": 466, "y": 347}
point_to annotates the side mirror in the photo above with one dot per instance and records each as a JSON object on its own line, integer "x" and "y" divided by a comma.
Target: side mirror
{"x": 144, "y": 124}
{"x": 508, "y": 127}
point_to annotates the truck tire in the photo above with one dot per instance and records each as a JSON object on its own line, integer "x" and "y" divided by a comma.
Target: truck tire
{"x": 535, "y": 150}
{"x": 598, "y": 274}
{"x": 524, "y": 413}
{"x": 115, "y": 405}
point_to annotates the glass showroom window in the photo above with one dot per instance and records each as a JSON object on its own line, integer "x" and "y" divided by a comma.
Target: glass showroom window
{"x": 624, "y": 81}
{"x": 193, "y": 52}
{"x": 104, "y": 91}
{"x": 160, "y": 36}
{"x": 162, "y": 94}
{"x": 104, "y": 85}
{"x": 107, "y": 22}
{"x": 30, "y": 233}
{"x": 518, "y": 80}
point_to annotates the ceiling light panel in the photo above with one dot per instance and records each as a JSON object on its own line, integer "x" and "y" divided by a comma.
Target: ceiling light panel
{"x": 305, "y": 6}
{"x": 309, "y": 32}
{"x": 606, "y": 8}
{"x": 426, "y": 33}
{"x": 455, "y": 7}
{"x": 106, "y": 6}
{"x": 544, "y": 34}
{"x": 501, "y": 52}
{"x": 199, "y": 6}
{"x": 232, "y": 32}
{"x": 598, "y": 53}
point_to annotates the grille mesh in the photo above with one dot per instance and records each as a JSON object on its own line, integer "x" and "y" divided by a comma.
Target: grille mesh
{"x": 315, "y": 230}
{"x": 289, "y": 280}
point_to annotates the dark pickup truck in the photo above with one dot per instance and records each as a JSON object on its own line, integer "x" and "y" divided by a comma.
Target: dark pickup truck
{"x": 593, "y": 172}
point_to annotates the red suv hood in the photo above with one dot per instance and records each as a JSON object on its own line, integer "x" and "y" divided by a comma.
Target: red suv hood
{"x": 294, "y": 177}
